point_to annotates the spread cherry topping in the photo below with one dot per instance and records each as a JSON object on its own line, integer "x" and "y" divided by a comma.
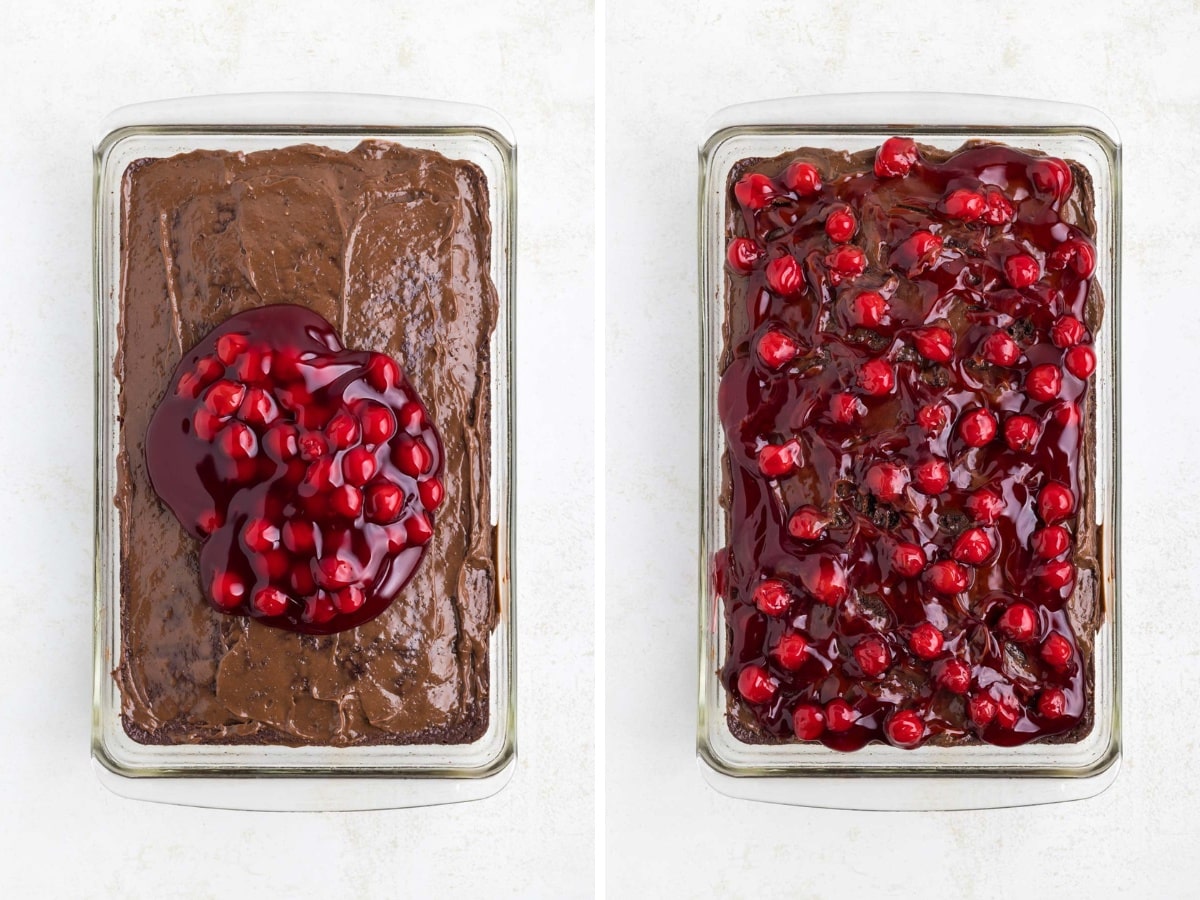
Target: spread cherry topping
{"x": 903, "y": 395}
{"x": 280, "y": 450}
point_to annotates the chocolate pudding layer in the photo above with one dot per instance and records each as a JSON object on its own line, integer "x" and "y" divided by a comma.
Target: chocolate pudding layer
{"x": 390, "y": 245}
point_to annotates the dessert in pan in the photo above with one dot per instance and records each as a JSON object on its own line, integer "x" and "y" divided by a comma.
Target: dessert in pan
{"x": 907, "y": 400}
{"x": 307, "y": 554}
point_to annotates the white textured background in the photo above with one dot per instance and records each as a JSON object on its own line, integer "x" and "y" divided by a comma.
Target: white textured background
{"x": 669, "y": 67}
{"x": 62, "y": 68}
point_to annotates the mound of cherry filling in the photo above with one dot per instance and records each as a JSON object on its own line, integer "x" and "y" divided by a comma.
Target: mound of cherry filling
{"x": 309, "y": 471}
{"x": 906, "y": 398}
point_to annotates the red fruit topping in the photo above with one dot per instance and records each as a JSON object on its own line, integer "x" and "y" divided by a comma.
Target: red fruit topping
{"x": 947, "y": 577}
{"x": 998, "y": 209}
{"x": 926, "y": 641}
{"x": 256, "y": 448}
{"x": 904, "y": 728}
{"x": 754, "y": 191}
{"x": 840, "y": 225}
{"x": 829, "y": 584}
{"x": 867, "y": 309}
{"x": 846, "y": 263}
{"x": 1051, "y": 176}
{"x": 776, "y": 349}
{"x": 807, "y": 524}
{"x": 977, "y": 427}
{"x": 1018, "y": 622}
{"x": 412, "y": 418}
{"x": 932, "y": 476}
{"x": 1065, "y": 414}
{"x": 1055, "y": 503}
{"x": 973, "y": 547}
{"x": 916, "y": 254}
{"x": 1043, "y": 382}
{"x": 935, "y": 344}
{"x": 896, "y": 156}
{"x": 1000, "y": 350}
{"x": 418, "y": 529}
{"x": 383, "y": 502}
{"x": 1052, "y": 703}
{"x": 845, "y": 408}
{"x": 1057, "y": 651}
{"x": 755, "y": 685}
{"x": 966, "y": 206}
{"x": 1080, "y": 361}
{"x": 985, "y": 506}
{"x": 1021, "y": 433}
{"x": 808, "y": 721}
{"x": 784, "y": 276}
{"x": 908, "y": 560}
{"x": 1049, "y": 542}
{"x": 778, "y": 460}
{"x": 839, "y": 715}
{"x": 1057, "y": 575}
{"x": 1067, "y": 331}
{"x": 876, "y": 377}
{"x": 271, "y": 601}
{"x": 803, "y": 178}
{"x": 955, "y": 676}
{"x": 1079, "y": 255}
{"x": 982, "y": 709}
{"x": 887, "y": 481}
{"x": 772, "y": 598}
{"x": 791, "y": 651}
{"x": 1022, "y": 270}
{"x": 743, "y": 255}
{"x": 872, "y": 656}
{"x": 933, "y": 417}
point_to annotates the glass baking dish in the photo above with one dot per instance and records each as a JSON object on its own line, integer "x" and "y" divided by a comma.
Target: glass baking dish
{"x": 278, "y": 777}
{"x": 881, "y": 776}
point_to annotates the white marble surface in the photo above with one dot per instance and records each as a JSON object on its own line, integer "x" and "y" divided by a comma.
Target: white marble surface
{"x": 64, "y": 66}
{"x": 670, "y": 66}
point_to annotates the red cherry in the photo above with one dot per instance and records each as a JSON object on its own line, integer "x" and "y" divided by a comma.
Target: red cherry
{"x": 828, "y": 586}
{"x": 431, "y": 492}
{"x": 947, "y": 577}
{"x": 872, "y": 656}
{"x": 867, "y": 309}
{"x": 1080, "y": 361}
{"x": 755, "y": 685}
{"x": 378, "y": 423}
{"x": 926, "y": 641}
{"x": 999, "y": 349}
{"x": 282, "y": 441}
{"x": 342, "y": 431}
{"x": 908, "y": 559}
{"x": 238, "y": 442}
{"x": 412, "y": 417}
{"x": 1065, "y": 414}
{"x": 964, "y": 205}
{"x": 776, "y": 349}
{"x": 784, "y": 276}
{"x": 413, "y": 457}
{"x": 932, "y": 417}
{"x": 1022, "y": 270}
{"x": 887, "y": 481}
{"x": 383, "y": 502}
{"x": 977, "y": 427}
{"x": 276, "y": 563}
{"x": 839, "y": 715}
{"x": 359, "y": 466}
{"x": 754, "y": 191}
{"x": 299, "y": 536}
{"x": 333, "y": 572}
{"x": 1052, "y": 703}
{"x": 349, "y": 599}
{"x": 313, "y": 446}
{"x": 1049, "y": 542}
{"x": 998, "y": 210}
{"x": 840, "y": 225}
{"x": 302, "y": 580}
{"x": 259, "y": 407}
{"x": 224, "y": 397}
{"x": 230, "y": 347}
{"x": 935, "y": 344}
{"x": 876, "y": 377}
{"x": 319, "y": 609}
{"x": 1021, "y": 433}
{"x": 1057, "y": 575}
{"x": 1079, "y": 255}
{"x": 896, "y": 156}
{"x": 919, "y": 252}
{"x": 791, "y": 651}
{"x": 973, "y": 547}
{"x": 845, "y": 408}
{"x": 1051, "y": 176}
{"x": 772, "y": 597}
{"x": 803, "y": 178}
{"x": 271, "y": 601}
{"x": 418, "y": 529}
{"x": 1019, "y": 622}
{"x": 1043, "y": 382}
{"x": 982, "y": 709}
{"x": 382, "y": 373}
{"x": 846, "y": 263}
{"x": 228, "y": 590}
{"x": 985, "y": 506}
{"x": 206, "y": 425}
{"x": 1067, "y": 331}
{"x": 778, "y": 460}
{"x": 955, "y": 676}
{"x": 807, "y": 524}
{"x": 346, "y": 500}
{"x": 808, "y": 721}
{"x": 743, "y": 255}
{"x": 932, "y": 476}
{"x": 1055, "y": 502}
{"x": 904, "y": 728}
{"x": 1057, "y": 651}
{"x": 261, "y": 535}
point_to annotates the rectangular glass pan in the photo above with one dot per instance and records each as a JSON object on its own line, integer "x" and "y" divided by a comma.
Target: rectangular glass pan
{"x": 881, "y": 776}
{"x": 280, "y": 777}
